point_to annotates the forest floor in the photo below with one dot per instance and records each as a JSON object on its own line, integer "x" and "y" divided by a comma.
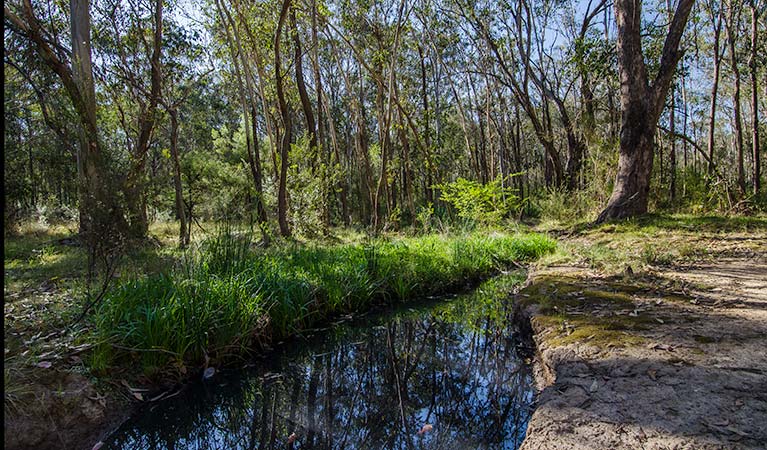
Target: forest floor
{"x": 652, "y": 335}
{"x": 51, "y": 399}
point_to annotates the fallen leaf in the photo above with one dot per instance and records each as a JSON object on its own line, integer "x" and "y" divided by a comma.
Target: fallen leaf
{"x": 652, "y": 373}
{"x": 208, "y": 373}
{"x": 659, "y": 320}
{"x": 425, "y": 429}
{"x": 97, "y": 445}
{"x": 44, "y": 364}
{"x": 138, "y": 396}
{"x": 739, "y": 402}
{"x": 594, "y": 386}
{"x": 292, "y": 438}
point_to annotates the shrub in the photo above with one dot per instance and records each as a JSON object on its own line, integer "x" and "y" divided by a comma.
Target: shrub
{"x": 480, "y": 203}
{"x": 567, "y": 207}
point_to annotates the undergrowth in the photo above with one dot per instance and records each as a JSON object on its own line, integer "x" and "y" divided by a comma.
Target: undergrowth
{"x": 227, "y": 298}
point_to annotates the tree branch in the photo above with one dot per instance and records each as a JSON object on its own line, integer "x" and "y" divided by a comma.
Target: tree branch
{"x": 671, "y": 55}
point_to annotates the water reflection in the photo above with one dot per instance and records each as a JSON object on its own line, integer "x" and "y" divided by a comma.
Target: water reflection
{"x": 452, "y": 364}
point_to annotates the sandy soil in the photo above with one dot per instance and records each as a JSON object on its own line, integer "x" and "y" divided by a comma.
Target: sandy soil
{"x": 694, "y": 379}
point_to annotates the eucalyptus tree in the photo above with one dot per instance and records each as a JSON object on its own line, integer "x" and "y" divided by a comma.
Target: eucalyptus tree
{"x": 101, "y": 217}
{"x": 757, "y": 10}
{"x": 527, "y": 66}
{"x": 130, "y": 46}
{"x": 282, "y": 195}
{"x": 732, "y": 24}
{"x": 247, "y": 97}
{"x": 642, "y": 103}
{"x": 183, "y": 75}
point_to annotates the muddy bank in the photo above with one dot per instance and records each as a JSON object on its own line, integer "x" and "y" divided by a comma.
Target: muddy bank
{"x": 670, "y": 358}
{"x": 62, "y": 410}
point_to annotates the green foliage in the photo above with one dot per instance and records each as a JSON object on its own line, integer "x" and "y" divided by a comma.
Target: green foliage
{"x": 424, "y": 217}
{"x": 562, "y": 206}
{"x": 309, "y": 184}
{"x": 484, "y": 204}
{"x": 228, "y": 298}
{"x": 700, "y": 193}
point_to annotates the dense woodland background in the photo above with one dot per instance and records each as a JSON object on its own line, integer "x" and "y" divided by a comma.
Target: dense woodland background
{"x": 300, "y": 115}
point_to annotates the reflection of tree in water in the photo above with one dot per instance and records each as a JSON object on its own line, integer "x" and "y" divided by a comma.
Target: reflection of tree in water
{"x": 372, "y": 388}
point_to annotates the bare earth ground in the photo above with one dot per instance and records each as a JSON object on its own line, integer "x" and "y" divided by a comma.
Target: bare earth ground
{"x": 674, "y": 358}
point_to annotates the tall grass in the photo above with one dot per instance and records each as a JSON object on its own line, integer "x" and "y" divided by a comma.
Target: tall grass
{"x": 227, "y": 298}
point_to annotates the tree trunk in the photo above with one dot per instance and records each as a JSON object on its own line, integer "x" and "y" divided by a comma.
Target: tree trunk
{"x": 407, "y": 177}
{"x": 672, "y": 150}
{"x": 251, "y": 126}
{"x": 254, "y": 159}
{"x": 282, "y": 192}
{"x": 323, "y": 148}
{"x": 714, "y": 87}
{"x": 641, "y": 104}
{"x": 733, "y": 18}
{"x": 343, "y": 187}
{"x": 89, "y": 155}
{"x": 265, "y": 106}
{"x": 101, "y": 219}
{"x": 384, "y": 139}
{"x": 520, "y": 90}
{"x": 426, "y": 129}
{"x": 587, "y": 93}
{"x": 752, "y": 64}
{"x": 135, "y": 191}
{"x": 302, "y": 93}
{"x": 672, "y": 127}
{"x": 183, "y": 236}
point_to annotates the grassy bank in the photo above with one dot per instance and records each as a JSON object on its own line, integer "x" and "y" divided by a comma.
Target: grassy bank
{"x": 227, "y": 298}
{"x": 654, "y": 241}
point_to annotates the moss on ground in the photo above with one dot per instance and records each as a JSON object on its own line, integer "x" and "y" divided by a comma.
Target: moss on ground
{"x": 577, "y": 310}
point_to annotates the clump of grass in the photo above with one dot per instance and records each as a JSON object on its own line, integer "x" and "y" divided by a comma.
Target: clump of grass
{"x": 228, "y": 297}
{"x": 15, "y": 388}
{"x": 653, "y": 255}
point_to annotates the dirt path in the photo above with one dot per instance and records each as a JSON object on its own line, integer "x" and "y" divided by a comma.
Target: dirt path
{"x": 676, "y": 359}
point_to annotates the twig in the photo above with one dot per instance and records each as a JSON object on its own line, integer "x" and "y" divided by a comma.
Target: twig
{"x": 158, "y": 350}
{"x": 104, "y": 288}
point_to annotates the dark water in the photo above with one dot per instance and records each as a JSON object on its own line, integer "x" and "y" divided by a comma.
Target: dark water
{"x": 454, "y": 364}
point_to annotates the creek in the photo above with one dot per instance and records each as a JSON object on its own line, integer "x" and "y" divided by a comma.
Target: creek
{"x": 446, "y": 373}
